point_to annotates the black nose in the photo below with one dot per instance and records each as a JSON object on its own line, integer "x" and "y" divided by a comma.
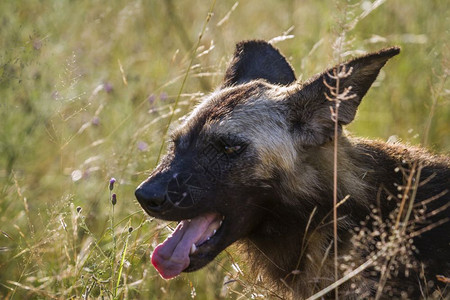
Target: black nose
{"x": 151, "y": 199}
{"x": 158, "y": 194}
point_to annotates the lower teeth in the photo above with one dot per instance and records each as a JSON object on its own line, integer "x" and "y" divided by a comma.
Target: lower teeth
{"x": 193, "y": 249}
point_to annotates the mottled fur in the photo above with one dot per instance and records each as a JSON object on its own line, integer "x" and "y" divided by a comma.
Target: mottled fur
{"x": 276, "y": 192}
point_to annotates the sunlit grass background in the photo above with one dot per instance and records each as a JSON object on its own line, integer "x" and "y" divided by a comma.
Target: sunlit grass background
{"x": 86, "y": 88}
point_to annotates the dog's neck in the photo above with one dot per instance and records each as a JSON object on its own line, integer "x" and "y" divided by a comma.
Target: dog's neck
{"x": 368, "y": 173}
{"x": 278, "y": 237}
{"x": 311, "y": 236}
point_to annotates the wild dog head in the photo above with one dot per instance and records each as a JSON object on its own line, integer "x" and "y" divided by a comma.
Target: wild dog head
{"x": 239, "y": 154}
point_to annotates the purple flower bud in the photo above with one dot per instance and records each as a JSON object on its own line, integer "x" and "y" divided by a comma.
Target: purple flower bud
{"x": 151, "y": 99}
{"x": 78, "y": 209}
{"x": 143, "y": 146}
{"x": 163, "y": 96}
{"x": 130, "y": 229}
{"x": 111, "y": 183}
{"x": 108, "y": 87}
{"x": 95, "y": 121}
{"x": 114, "y": 199}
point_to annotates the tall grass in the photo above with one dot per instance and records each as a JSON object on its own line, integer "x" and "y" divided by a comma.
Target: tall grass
{"x": 87, "y": 89}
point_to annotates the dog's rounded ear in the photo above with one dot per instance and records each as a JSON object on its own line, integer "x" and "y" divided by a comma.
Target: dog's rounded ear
{"x": 258, "y": 60}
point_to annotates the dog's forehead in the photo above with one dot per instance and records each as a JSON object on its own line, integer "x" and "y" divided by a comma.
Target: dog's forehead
{"x": 227, "y": 101}
{"x": 220, "y": 104}
{"x": 234, "y": 111}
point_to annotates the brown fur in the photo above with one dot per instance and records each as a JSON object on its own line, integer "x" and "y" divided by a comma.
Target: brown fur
{"x": 358, "y": 178}
{"x": 275, "y": 192}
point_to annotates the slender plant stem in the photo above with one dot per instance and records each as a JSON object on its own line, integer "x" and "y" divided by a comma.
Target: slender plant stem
{"x": 435, "y": 97}
{"x": 335, "y": 183}
{"x": 122, "y": 261}
{"x": 194, "y": 51}
{"x": 409, "y": 186}
{"x": 113, "y": 255}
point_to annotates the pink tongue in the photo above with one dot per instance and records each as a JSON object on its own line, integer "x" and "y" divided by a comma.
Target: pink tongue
{"x": 171, "y": 257}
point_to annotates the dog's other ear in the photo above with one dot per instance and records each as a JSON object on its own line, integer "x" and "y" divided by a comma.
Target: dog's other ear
{"x": 310, "y": 113}
{"x": 258, "y": 60}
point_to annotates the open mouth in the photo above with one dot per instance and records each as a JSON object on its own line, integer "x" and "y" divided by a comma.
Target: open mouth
{"x": 192, "y": 239}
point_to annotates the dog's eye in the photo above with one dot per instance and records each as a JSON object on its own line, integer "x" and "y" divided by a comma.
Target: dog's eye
{"x": 232, "y": 149}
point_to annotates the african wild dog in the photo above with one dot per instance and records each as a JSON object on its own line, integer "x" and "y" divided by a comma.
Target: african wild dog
{"x": 254, "y": 163}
